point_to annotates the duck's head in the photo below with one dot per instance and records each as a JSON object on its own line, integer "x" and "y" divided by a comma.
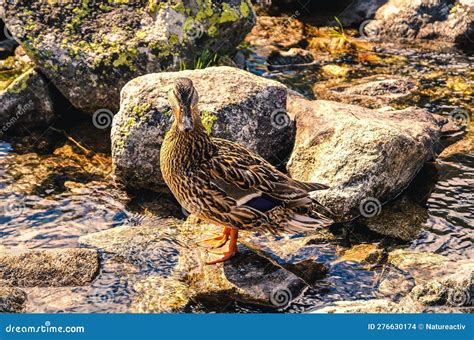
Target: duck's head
{"x": 184, "y": 99}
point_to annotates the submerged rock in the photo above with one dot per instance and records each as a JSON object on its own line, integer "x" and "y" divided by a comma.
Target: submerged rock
{"x": 168, "y": 249}
{"x": 25, "y": 104}
{"x": 401, "y": 218}
{"x": 373, "y": 92}
{"x": 366, "y": 157}
{"x": 450, "y": 290}
{"x": 367, "y": 306}
{"x": 277, "y": 32}
{"x": 49, "y": 267}
{"x": 149, "y": 247}
{"x": 292, "y": 57}
{"x": 235, "y": 105}
{"x": 12, "y": 300}
{"x": 447, "y": 21}
{"x": 91, "y": 49}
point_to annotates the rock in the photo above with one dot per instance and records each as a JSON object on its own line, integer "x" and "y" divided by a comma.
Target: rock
{"x": 362, "y": 253}
{"x": 91, "y": 49}
{"x": 359, "y": 11}
{"x": 7, "y": 48}
{"x": 446, "y": 21}
{"x": 401, "y": 218}
{"x": 367, "y": 306}
{"x": 373, "y": 92}
{"x": 243, "y": 108}
{"x": 366, "y": 157}
{"x": 12, "y": 300}
{"x": 149, "y": 246}
{"x": 294, "y": 56}
{"x": 156, "y": 294}
{"x": 451, "y": 290}
{"x": 299, "y": 254}
{"x": 423, "y": 266}
{"x": 49, "y": 267}
{"x": 278, "y": 32}
{"x": 337, "y": 71}
{"x": 26, "y": 104}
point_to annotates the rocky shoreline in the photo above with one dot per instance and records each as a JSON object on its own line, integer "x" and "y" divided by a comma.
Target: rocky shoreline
{"x": 365, "y": 137}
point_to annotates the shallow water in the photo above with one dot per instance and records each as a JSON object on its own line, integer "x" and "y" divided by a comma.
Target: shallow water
{"x": 49, "y": 199}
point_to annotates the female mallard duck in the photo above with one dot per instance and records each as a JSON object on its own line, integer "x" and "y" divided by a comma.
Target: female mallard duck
{"x": 224, "y": 183}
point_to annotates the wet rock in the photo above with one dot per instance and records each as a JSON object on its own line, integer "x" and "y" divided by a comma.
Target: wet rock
{"x": 423, "y": 266}
{"x": 278, "y": 32}
{"x": 7, "y": 48}
{"x": 244, "y": 108}
{"x": 359, "y": 11}
{"x": 25, "y": 104}
{"x": 367, "y": 306}
{"x": 49, "y": 267}
{"x": 149, "y": 246}
{"x": 401, "y": 218}
{"x": 294, "y": 56}
{"x": 362, "y": 253}
{"x": 245, "y": 277}
{"x": 366, "y": 157}
{"x": 12, "y": 300}
{"x": 373, "y": 92}
{"x": 446, "y": 21}
{"x": 90, "y": 50}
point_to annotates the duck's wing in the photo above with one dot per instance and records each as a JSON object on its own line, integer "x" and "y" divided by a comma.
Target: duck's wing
{"x": 237, "y": 166}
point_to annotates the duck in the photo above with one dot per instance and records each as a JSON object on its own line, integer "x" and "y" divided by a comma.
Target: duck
{"x": 225, "y": 184}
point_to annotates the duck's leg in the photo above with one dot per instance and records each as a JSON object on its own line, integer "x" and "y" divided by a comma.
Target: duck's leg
{"x": 218, "y": 241}
{"x": 234, "y": 233}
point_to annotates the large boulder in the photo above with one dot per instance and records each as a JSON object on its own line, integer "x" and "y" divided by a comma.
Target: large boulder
{"x": 12, "y": 300}
{"x": 90, "y": 49}
{"x": 25, "y": 103}
{"x": 49, "y": 267}
{"x": 179, "y": 276}
{"x": 445, "y": 20}
{"x": 366, "y": 157}
{"x": 234, "y": 104}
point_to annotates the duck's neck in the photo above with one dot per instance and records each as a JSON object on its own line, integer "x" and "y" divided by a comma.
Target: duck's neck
{"x": 189, "y": 148}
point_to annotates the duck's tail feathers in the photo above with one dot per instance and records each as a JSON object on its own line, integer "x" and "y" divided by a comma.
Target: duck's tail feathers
{"x": 297, "y": 223}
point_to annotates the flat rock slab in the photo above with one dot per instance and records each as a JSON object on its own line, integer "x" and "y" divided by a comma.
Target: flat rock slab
{"x": 91, "y": 49}
{"x": 49, "y": 267}
{"x": 373, "y": 92}
{"x": 26, "y": 104}
{"x": 366, "y": 157}
{"x": 150, "y": 246}
{"x": 12, "y": 300}
{"x": 234, "y": 104}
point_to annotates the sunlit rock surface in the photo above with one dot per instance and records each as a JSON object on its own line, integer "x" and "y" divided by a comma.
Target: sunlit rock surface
{"x": 372, "y": 92}
{"x": 91, "y": 49}
{"x": 49, "y": 267}
{"x": 447, "y": 21}
{"x": 366, "y": 157}
{"x": 234, "y": 104}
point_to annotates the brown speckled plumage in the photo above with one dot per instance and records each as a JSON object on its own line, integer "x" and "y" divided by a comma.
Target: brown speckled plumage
{"x": 223, "y": 182}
